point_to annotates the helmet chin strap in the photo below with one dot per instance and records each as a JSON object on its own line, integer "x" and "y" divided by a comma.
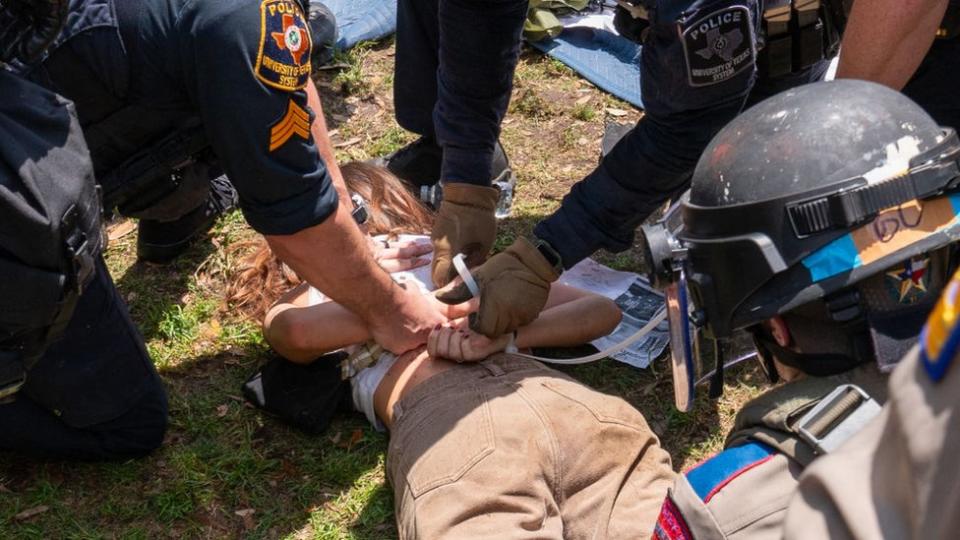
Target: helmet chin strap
{"x": 815, "y": 364}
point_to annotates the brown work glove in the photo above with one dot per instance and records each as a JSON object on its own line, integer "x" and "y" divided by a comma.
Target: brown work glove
{"x": 513, "y": 289}
{"x": 465, "y": 224}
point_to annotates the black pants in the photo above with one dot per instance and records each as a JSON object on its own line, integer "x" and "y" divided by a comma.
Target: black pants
{"x": 95, "y": 394}
{"x": 454, "y": 75}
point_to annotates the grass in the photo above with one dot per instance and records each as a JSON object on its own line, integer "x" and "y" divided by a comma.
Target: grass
{"x": 229, "y": 471}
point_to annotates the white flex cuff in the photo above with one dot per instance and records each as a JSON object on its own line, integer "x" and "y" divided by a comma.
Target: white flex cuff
{"x": 465, "y": 275}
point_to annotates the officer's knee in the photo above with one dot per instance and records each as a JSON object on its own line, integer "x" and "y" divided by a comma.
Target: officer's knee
{"x": 140, "y": 430}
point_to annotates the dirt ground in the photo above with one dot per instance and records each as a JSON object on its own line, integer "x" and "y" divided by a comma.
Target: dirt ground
{"x": 229, "y": 471}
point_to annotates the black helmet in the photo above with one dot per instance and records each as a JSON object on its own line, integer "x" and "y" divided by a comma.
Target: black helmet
{"x": 28, "y": 27}
{"x": 801, "y": 197}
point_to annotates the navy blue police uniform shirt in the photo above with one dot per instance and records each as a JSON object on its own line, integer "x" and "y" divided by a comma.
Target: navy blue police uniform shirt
{"x": 698, "y": 71}
{"x": 239, "y": 67}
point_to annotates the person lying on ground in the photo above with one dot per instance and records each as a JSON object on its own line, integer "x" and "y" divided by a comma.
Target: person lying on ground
{"x": 482, "y": 443}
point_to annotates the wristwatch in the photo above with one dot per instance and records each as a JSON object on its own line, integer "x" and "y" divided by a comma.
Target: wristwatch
{"x": 360, "y": 213}
{"x": 548, "y": 253}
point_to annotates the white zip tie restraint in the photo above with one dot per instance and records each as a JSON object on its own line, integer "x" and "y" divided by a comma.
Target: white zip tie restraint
{"x": 655, "y": 321}
{"x": 465, "y": 275}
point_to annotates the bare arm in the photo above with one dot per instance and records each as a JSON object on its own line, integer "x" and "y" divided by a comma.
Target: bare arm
{"x": 572, "y": 317}
{"x": 885, "y": 40}
{"x": 580, "y": 320}
{"x": 301, "y": 333}
{"x": 334, "y": 257}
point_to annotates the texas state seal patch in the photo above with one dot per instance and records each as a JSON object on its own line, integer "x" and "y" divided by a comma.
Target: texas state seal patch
{"x": 283, "y": 60}
{"x": 719, "y": 46}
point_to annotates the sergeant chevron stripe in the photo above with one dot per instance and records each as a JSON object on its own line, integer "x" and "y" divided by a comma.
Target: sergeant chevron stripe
{"x": 295, "y": 122}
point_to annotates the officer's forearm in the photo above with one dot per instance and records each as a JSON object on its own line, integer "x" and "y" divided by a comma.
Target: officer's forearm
{"x": 322, "y": 139}
{"x": 334, "y": 257}
{"x": 885, "y": 40}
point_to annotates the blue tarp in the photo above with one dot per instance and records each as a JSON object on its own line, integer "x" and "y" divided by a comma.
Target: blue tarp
{"x": 604, "y": 58}
{"x": 361, "y": 20}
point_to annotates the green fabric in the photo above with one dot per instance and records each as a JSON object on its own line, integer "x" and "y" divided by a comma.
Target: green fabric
{"x": 542, "y": 22}
{"x": 771, "y": 417}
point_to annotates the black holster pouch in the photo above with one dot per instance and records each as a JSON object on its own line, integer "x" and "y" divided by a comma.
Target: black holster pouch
{"x": 799, "y": 33}
{"x": 304, "y": 396}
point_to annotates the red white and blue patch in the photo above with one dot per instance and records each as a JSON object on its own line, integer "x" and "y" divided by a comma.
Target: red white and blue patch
{"x": 670, "y": 524}
{"x": 708, "y": 478}
{"x": 907, "y": 283}
{"x": 283, "y": 61}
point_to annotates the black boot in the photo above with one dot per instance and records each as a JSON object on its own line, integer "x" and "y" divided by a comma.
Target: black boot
{"x": 419, "y": 162}
{"x": 160, "y": 242}
{"x": 323, "y": 31}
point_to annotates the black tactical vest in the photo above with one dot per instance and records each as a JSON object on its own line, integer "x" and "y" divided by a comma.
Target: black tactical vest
{"x": 49, "y": 221}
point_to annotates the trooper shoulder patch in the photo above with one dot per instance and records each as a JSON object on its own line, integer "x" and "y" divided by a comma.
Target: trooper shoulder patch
{"x": 709, "y": 477}
{"x": 940, "y": 338}
{"x": 283, "y": 61}
{"x": 718, "y": 46}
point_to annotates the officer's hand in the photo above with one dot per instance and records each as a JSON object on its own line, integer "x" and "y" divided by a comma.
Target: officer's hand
{"x": 465, "y": 224}
{"x": 513, "y": 289}
{"x": 399, "y": 256}
{"x": 409, "y": 324}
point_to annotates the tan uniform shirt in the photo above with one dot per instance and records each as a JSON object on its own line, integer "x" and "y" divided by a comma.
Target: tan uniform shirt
{"x": 899, "y": 477}
{"x": 743, "y": 492}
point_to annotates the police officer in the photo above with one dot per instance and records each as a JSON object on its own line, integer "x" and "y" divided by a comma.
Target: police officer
{"x": 75, "y": 379}
{"x": 190, "y": 88}
{"x": 701, "y": 64}
{"x": 823, "y": 221}
{"x": 897, "y": 478}
{"x": 452, "y": 83}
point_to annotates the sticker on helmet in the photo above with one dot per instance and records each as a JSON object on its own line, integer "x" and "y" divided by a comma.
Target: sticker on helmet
{"x": 719, "y": 46}
{"x": 908, "y": 281}
{"x": 283, "y": 60}
{"x": 892, "y": 230}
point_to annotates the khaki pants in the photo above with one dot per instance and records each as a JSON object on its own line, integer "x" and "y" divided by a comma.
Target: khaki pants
{"x": 508, "y": 448}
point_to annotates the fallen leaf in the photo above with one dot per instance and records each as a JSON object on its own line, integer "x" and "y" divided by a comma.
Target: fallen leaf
{"x": 236, "y": 398}
{"x": 119, "y": 230}
{"x": 247, "y": 516}
{"x": 584, "y": 99}
{"x": 31, "y": 512}
{"x": 336, "y": 438}
{"x": 345, "y": 144}
{"x": 333, "y": 133}
{"x": 616, "y": 112}
{"x": 222, "y": 410}
{"x": 355, "y": 437}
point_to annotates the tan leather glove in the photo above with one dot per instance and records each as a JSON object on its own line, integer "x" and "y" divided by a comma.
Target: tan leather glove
{"x": 513, "y": 289}
{"x": 465, "y": 224}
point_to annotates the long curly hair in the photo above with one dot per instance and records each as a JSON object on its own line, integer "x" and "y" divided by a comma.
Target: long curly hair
{"x": 263, "y": 277}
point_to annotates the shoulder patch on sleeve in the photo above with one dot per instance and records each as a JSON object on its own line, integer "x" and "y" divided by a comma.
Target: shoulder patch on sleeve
{"x": 283, "y": 61}
{"x": 718, "y": 46}
{"x": 940, "y": 338}
{"x": 709, "y": 477}
{"x": 296, "y": 121}
{"x": 670, "y": 524}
